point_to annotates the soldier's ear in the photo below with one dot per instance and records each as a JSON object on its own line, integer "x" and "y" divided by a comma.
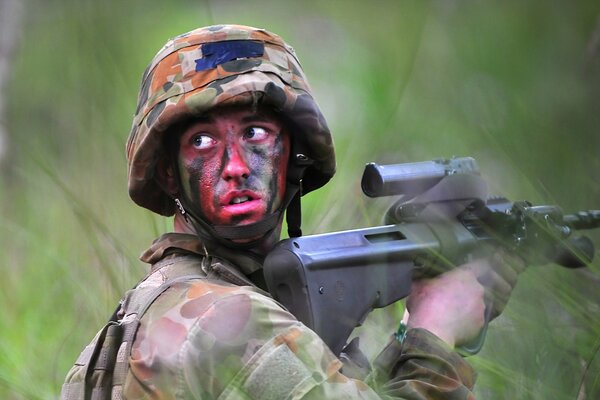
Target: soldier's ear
{"x": 166, "y": 177}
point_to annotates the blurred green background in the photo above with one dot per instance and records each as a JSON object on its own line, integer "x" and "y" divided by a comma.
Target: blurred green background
{"x": 515, "y": 84}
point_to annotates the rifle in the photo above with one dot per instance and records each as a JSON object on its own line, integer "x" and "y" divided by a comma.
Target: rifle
{"x": 332, "y": 281}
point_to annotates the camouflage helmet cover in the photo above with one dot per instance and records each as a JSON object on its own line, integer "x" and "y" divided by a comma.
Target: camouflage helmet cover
{"x": 221, "y": 65}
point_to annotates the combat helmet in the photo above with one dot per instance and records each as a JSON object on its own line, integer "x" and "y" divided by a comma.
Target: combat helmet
{"x": 227, "y": 65}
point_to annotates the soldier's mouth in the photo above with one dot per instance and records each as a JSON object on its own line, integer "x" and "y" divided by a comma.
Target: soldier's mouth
{"x": 240, "y": 203}
{"x": 239, "y": 197}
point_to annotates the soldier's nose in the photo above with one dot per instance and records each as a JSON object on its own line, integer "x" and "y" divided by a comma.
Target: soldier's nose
{"x": 236, "y": 166}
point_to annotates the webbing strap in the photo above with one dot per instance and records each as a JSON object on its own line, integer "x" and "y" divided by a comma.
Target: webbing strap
{"x": 130, "y": 328}
{"x": 105, "y": 355}
{"x": 158, "y": 291}
{"x": 108, "y": 352}
{"x": 88, "y": 384}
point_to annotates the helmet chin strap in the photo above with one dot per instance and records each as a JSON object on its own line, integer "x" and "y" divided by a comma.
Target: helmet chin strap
{"x": 228, "y": 235}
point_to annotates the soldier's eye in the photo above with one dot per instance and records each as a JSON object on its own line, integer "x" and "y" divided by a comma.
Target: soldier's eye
{"x": 202, "y": 141}
{"x": 255, "y": 133}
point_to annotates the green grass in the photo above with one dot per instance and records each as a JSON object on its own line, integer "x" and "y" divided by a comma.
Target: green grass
{"x": 513, "y": 84}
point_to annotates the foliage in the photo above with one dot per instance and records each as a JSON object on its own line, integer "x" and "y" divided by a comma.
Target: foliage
{"x": 514, "y": 84}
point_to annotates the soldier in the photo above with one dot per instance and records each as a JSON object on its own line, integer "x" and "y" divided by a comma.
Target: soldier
{"x": 226, "y": 131}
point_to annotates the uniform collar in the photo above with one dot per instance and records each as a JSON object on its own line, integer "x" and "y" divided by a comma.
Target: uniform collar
{"x": 173, "y": 243}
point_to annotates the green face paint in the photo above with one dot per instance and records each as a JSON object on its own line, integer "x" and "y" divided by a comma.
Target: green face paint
{"x": 233, "y": 164}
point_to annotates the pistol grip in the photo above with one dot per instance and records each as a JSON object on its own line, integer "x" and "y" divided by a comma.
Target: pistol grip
{"x": 475, "y": 345}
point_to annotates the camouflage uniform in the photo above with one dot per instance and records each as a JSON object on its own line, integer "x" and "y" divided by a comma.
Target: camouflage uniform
{"x": 218, "y": 335}
{"x": 222, "y": 337}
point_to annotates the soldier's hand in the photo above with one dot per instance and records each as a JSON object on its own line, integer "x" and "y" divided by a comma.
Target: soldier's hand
{"x": 452, "y": 305}
{"x": 499, "y": 276}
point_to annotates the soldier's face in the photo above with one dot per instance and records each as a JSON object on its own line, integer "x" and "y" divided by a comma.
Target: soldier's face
{"x": 233, "y": 163}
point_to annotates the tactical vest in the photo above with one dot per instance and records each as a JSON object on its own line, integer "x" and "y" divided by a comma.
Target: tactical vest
{"x": 100, "y": 370}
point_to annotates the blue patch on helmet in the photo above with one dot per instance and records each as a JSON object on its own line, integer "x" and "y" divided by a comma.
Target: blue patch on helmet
{"x": 217, "y": 53}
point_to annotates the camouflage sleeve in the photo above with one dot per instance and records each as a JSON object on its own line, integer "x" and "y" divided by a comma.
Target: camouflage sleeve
{"x": 423, "y": 367}
{"x": 246, "y": 346}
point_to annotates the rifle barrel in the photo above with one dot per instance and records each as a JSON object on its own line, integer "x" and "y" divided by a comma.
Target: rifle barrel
{"x": 589, "y": 219}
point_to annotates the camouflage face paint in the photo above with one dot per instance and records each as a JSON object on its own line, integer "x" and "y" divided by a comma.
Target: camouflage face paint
{"x": 233, "y": 163}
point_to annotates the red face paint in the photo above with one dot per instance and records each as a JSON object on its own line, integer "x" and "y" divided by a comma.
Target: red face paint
{"x": 233, "y": 164}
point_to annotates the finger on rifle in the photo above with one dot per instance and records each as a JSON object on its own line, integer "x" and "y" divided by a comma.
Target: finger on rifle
{"x": 505, "y": 264}
{"x": 497, "y": 286}
{"x": 498, "y": 295}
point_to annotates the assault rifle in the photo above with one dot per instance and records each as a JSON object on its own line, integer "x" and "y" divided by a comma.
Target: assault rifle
{"x": 332, "y": 281}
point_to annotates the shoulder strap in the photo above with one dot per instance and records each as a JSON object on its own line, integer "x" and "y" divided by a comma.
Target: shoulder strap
{"x": 130, "y": 325}
{"x": 104, "y": 363}
{"x": 143, "y": 306}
